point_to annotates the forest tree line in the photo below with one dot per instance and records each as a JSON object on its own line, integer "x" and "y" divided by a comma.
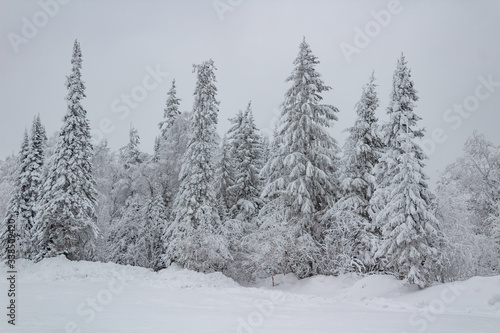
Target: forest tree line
{"x": 251, "y": 206}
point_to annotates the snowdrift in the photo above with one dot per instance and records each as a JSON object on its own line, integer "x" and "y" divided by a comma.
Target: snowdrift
{"x": 175, "y": 277}
{"x": 58, "y": 295}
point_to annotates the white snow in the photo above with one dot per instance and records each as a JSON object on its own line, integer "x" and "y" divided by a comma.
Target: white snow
{"x": 57, "y": 295}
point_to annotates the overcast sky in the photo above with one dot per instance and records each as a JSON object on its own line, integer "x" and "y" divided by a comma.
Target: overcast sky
{"x": 452, "y": 47}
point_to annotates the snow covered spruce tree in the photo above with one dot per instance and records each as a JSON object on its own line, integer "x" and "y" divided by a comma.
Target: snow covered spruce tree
{"x": 195, "y": 239}
{"x": 137, "y": 237}
{"x": 361, "y": 153}
{"x": 241, "y": 185}
{"x": 246, "y": 152}
{"x": 406, "y": 218}
{"x": 126, "y": 243}
{"x": 24, "y": 199}
{"x": 170, "y": 146}
{"x": 171, "y": 111}
{"x": 130, "y": 154}
{"x": 66, "y": 219}
{"x": 225, "y": 180}
{"x": 156, "y": 222}
{"x": 36, "y": 162}
{"x": 351, "y": 225}
{"x": 18, "y": 208}
{"x": 300, "y": 175}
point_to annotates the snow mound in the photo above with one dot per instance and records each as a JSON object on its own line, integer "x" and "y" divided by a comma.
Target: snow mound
{"x": 374, "y": 286}
{"x": 179, "y": 278}
{"x": 478, "y": 295}
{"x": 173, "y": 277}
{"x": 60, "y": 268}
{"x": 320, "y": 285}
{"x": 106, "y": 297}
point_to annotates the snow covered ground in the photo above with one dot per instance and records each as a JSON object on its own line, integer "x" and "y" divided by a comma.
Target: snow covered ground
{"x": 57, "y": 295}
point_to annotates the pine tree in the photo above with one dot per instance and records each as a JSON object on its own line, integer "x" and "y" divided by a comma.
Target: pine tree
{"x": 361, "y": 153}
{"x": 157, "y": 150}
{"x": 225, "y": 181}
{"x": 137, "y": 237}
{"x": 19, "y": 208}
{"x": 156, "y": 222}
{"x": 130, "y": 154}
{"x": 194, "y": 239}
{"x": 171, "y": 111}
{"x": 25, "y": 210}
{"x": 8, "y": 174}
{"x": 170, "y": 158}
{"x": 246, "y": 152}
{"x": 24, "y": 199}
{"x": 107, "y": 173}
{"x": 127, "y": 235}
{"x": 409, "y": 227}
{"x": 66, "y": 219}
{"x": 301, "y": 173}
{"x": 35, "y": 163}
{"x": 170, "y": 145}
{"x": 266, "y": 150}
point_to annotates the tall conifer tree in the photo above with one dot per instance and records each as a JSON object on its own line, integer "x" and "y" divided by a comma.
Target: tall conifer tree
{"x": 66, "y": 219}
{"x": 195, "y": 239}
{"x": 409, "y": 227}
{"x": 301, "y": 173}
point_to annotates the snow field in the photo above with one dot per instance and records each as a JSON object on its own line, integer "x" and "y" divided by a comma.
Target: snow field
{"x": 58, "y": 295}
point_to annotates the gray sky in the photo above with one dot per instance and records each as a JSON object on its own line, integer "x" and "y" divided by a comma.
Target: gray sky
{"x": 452, "y": 47}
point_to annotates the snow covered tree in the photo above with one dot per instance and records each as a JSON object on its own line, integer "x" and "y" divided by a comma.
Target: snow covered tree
{"x": 360, "y": 156}
{"x": 8, "y": 176}
{"x": 171, "y": 145}
{"x": 195, "y": 239}
{"x": 300, "y": 175}
{"x": 241, "y": 162}
{"x": 171, "y": 111}
{"x": 36, "y": 161}
{"x": 409, "y": 227}
{"x": 26, "y": 195}
{"x": 478, "y": 173}
{"x": 127, "y": 235}
{"x": 266, "y": 149}
{"x": 465, "y": 252}
{"x": 246, "y": 153}
{"x": 33, "y": 178}
{"x": 130, "y": 154}
{"x": 170, "y": 158}
{"x": 19, "y": 208}
{"x": 268, "y": 247}
{"x": 66, "y": 219}
{"x": 157, "y": 150}
{"x": 137, "y": 238}
{"x": 469, "y": 205}
{"x": 156, "y": 223}
{"x": 225, "y": 180}
{"x": 361, "y": 153}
